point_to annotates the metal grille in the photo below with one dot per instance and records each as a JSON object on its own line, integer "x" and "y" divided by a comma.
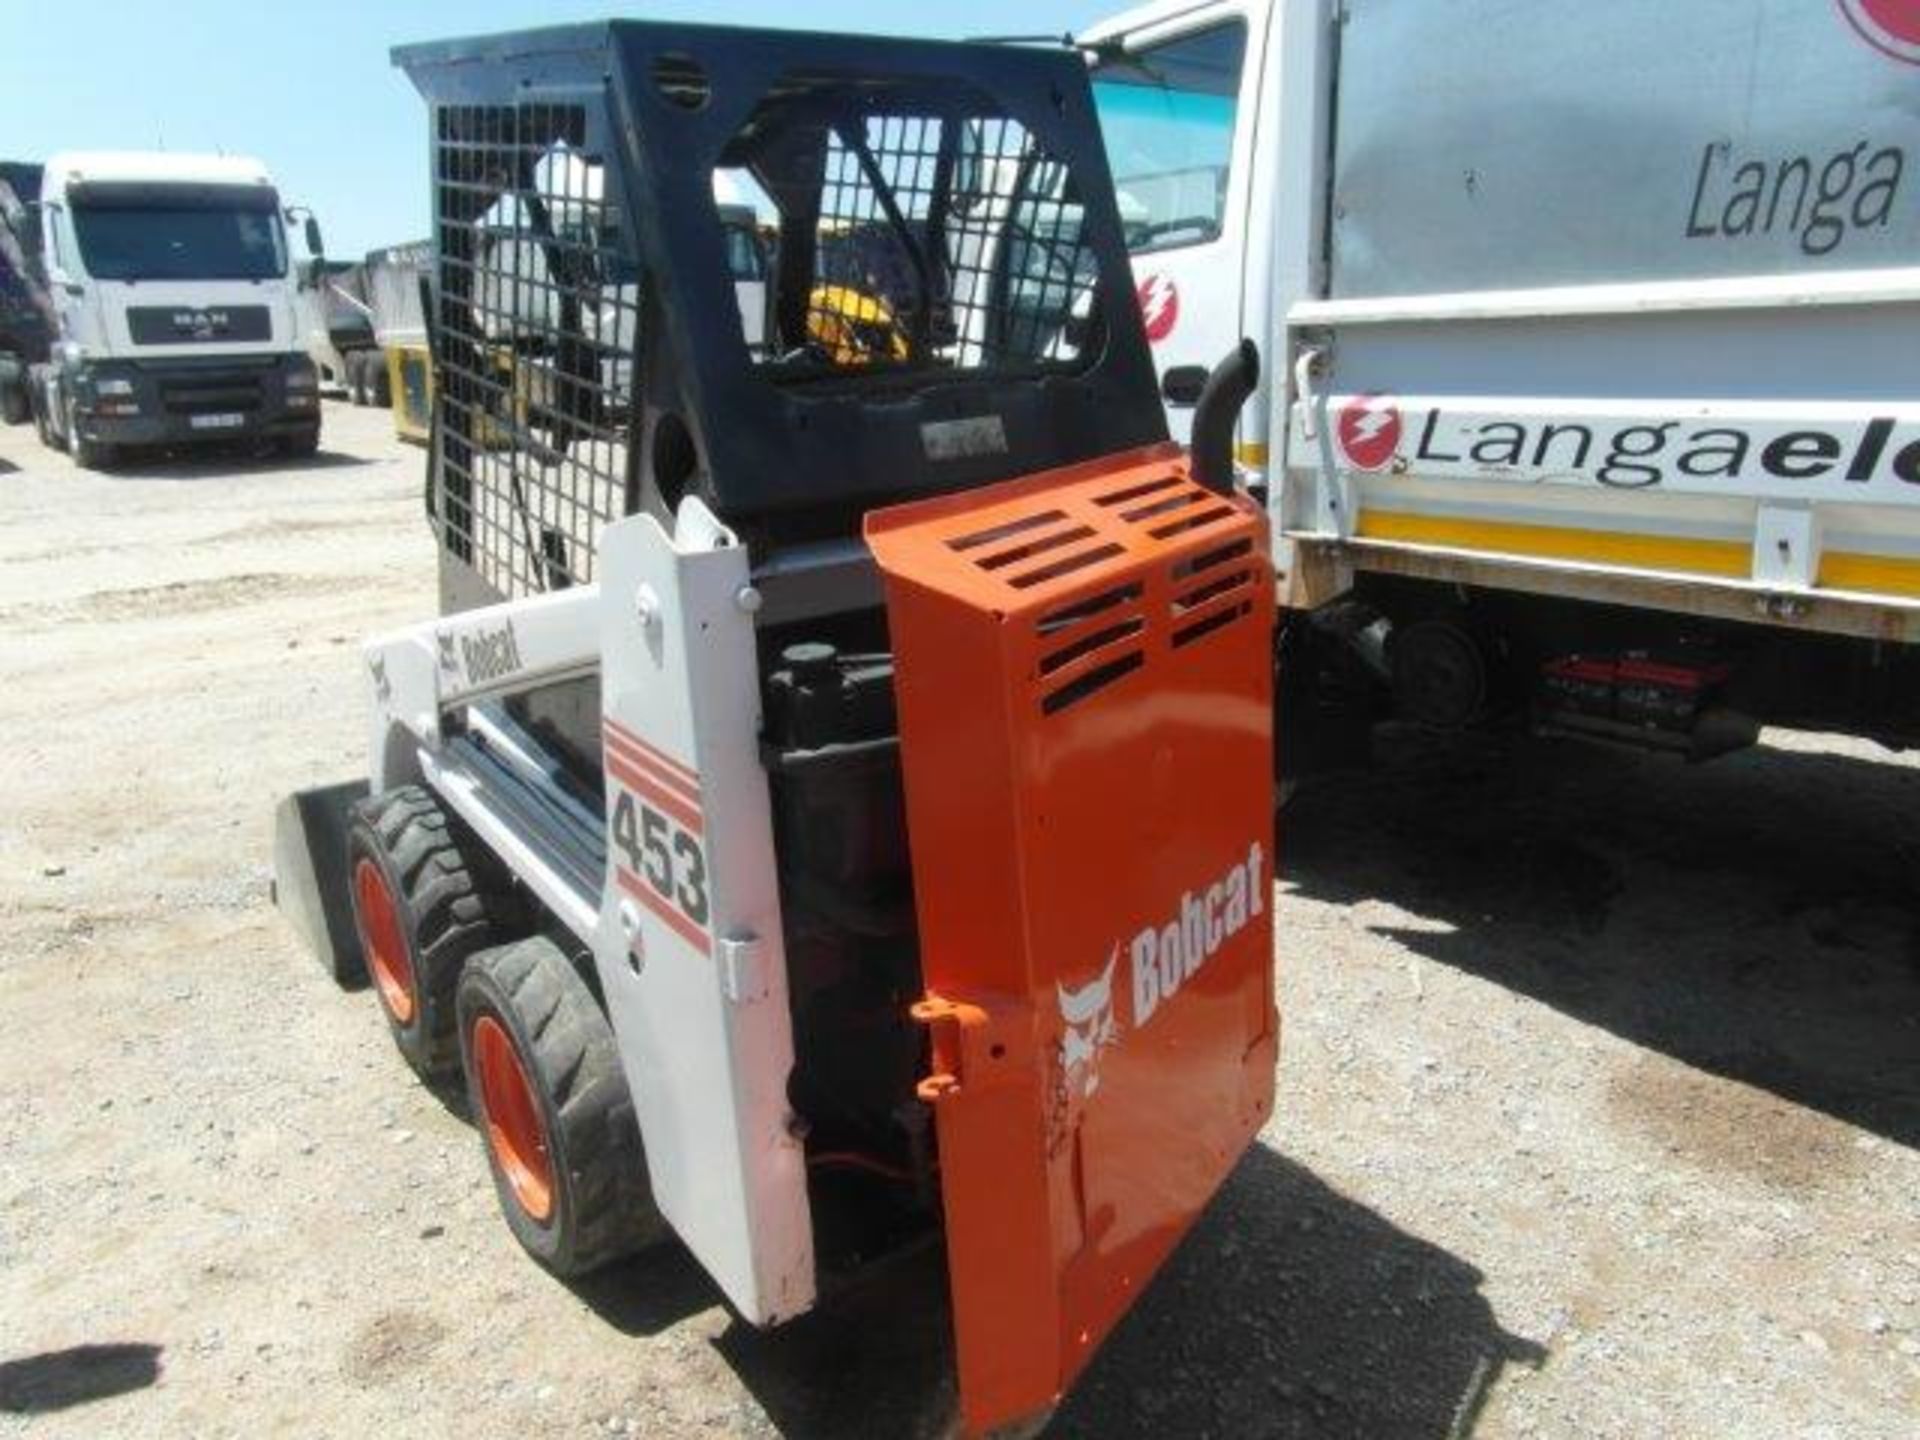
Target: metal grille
{"x": 538, "y": 327}
{"x": 945, "y": 241}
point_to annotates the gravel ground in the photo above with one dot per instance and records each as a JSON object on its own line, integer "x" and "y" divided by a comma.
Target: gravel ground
{"x": 1599, "y": 1105}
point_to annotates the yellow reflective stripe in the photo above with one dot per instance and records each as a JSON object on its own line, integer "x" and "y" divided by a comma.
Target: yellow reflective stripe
{"x": 1887, "y": 574}
{"x": 1560, "y": 542}
{"x": 1839, "y": 569}
{"x": 1251, "y": 452}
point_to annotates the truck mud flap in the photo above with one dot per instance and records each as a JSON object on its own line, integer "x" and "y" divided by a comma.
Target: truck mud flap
{"x": 1086, "y": 718}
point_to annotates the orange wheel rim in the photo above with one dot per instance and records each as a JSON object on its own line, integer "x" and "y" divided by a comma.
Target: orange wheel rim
{"x": 516, "y": 1134}
{"x": 382, "y": 940}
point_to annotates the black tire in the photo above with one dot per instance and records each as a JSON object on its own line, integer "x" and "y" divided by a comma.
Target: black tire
{"x": 87, "y": 454}
{"x": 449, "y": 900}
{"x": 56, "y": 438}
{"x": 299, "y": 447}
{"x": 356, "y": 377}
{"x": 599, "y": 1206}
{"x": 14, "y": 407}
{"x": 379, "y": 383}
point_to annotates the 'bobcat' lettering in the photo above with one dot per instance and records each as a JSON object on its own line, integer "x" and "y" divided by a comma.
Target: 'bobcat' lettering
{"x": 489, "y": 655}
{"x": 1165, "y": 957}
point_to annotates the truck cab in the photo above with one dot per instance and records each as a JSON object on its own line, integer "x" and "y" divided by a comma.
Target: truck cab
{"x": 173, "y": 287}
{"x": 1179, "y": 86}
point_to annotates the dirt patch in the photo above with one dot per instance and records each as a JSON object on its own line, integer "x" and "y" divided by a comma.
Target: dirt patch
{"x": 391, "y": 1345}
{"x": 1724, "y": 1127}
{"x": 157, "y": 602}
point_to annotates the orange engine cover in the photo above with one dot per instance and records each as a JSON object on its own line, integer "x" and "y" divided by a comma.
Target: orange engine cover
{"x": 1084, "y": 672}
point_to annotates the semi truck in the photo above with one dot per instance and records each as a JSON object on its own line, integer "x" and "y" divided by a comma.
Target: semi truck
{"x": 1593, "y": 337}
{"x": 173, "y": 291}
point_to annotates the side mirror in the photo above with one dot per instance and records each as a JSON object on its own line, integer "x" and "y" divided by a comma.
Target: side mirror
{"x": 316, "y": 247}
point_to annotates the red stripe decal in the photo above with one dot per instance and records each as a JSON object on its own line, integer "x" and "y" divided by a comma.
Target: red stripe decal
{"x": 650, "y": 898}
{"x": 641, "y": 785}
{"x": 652, "y": 768}
{"x": 673, "y": 766}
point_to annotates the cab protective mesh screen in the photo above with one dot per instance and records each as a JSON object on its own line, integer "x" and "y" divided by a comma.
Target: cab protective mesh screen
{"x": 537, "y": 325}
{"x": 938, "y": 235}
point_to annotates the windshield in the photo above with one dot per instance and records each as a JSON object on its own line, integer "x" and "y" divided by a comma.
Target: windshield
{"x": 1167, "y": 114}
{"x": 188, "y": 242}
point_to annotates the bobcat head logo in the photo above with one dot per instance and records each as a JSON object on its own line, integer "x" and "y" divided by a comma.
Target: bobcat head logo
{"x": 382, "y": 687}
{"x": 449, "y": 654}
{"x": 1090, "y": 1027}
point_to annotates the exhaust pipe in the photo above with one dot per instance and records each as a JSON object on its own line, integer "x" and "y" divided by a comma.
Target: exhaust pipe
{"x": 1216, "y": 413}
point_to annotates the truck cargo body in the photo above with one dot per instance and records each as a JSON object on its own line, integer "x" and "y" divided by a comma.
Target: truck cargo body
{"x": 1590, "y": 333}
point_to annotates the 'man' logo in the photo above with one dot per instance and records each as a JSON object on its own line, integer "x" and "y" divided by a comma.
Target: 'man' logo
{"x": 201, "y": 324}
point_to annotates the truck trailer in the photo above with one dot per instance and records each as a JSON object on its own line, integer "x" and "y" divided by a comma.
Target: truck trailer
{"x": 828, "y": 817}
{"x": 173, "y": 291}
{"x": 1593, "y": 394}
{"x": 26, "y": 307}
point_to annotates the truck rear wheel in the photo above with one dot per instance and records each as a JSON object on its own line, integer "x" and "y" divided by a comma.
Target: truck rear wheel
{"x": 426, "y": 897}
{"x": 356, "y": 377}
{"x": 13, "y": 401}
{"x": 552, "y": 1105}
{"x": 379, "y": 384}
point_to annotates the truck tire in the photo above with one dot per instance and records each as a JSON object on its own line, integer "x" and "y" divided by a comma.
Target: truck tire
{"x": 356, "y": 378}
{"x": 426, "y": 897}
{"x": 303, "y": 446}
{"x": 14, "y": 407}
{"x": 379, "y": 383}
{"x": 551, "y": 1102}
{"x": 87, "y": 454}
{"x": 50, "y": 432}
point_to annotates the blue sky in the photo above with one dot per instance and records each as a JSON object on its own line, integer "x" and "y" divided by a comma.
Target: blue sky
{"x": 309, "y": 90}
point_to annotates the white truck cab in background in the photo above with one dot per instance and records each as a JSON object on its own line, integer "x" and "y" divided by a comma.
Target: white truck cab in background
{"x": 1590, "y": 391}
{"x": 173, "y": 283}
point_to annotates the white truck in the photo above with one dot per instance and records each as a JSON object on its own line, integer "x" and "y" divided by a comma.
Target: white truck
{"x": 174, "y": 292}
{"x": 1592, "y": 342}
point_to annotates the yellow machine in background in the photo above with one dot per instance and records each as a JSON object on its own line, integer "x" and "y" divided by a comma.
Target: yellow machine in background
{"x": 410, "y": 383}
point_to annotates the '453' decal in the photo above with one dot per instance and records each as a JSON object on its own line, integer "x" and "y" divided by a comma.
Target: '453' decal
{"x": 660, "y": 856}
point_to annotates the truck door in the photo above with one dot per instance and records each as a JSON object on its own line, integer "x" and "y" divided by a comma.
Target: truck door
{"x": 1176, "y": 101}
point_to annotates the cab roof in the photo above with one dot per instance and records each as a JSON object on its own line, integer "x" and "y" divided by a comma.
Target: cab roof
{"x": 153, "y": 166}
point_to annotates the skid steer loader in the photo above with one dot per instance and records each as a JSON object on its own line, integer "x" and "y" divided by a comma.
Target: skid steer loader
{"x": 831, "y": 812}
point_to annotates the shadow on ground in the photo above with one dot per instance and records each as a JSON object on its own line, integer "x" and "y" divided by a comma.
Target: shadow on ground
{"x": 219, "y": 463}
{"x": 1753, "y": 917}
{"x": 1289, "y": 1311}
{"x": 61, "y": 1379}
